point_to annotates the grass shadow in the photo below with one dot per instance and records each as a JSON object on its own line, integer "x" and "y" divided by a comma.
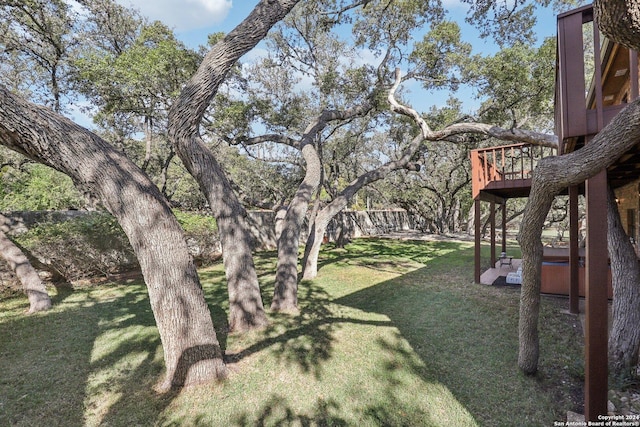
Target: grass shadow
{"x": 96, "y": 350}
{"x": 387, "y": 254}
{"x": 465, "y": 336}
{"x": 403, "y": 338}
{"x": 304, "y": 340}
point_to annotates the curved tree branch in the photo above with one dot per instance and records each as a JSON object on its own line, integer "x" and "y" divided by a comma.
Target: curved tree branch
{"x": 551, "y": 176}
{"x": 185, "y": 117}
{"x": 519, "y": 135}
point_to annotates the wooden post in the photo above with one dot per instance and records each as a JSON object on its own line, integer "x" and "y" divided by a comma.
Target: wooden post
{"x": 597, "y": 265}
{"x": 476, "y": 222}
{"x": 492, "y": 222}
{"x": 504, "y": 226}
{"x": 574, "y": 281}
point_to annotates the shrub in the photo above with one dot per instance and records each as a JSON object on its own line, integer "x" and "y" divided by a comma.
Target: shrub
{"x": 201, "y": 232}
{"x": 86, "y": 246}
{"x": 37, "y": 187}
{"x": 94, "y": 244}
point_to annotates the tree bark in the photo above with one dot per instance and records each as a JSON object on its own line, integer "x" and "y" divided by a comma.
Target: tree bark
{"x": 245, "y": 302}
{"x": 191, "y": 350}
{"x": 536, "y": 210}
{"x": 285, "y": 293}
{"x": 37, "y": 294}
{"x": 314, "y": 242}
{"x": 551, "y": 176}
{"x": 624, "y": 336}
{"x": 619, "y": 20}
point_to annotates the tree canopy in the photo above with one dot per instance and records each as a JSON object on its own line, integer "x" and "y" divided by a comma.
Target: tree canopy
{"x": 324, "y": 114}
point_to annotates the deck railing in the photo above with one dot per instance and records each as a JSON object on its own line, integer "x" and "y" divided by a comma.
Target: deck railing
{"x": 504, "y": 163}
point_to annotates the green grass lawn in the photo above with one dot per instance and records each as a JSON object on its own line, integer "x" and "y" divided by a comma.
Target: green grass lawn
{"x": 390, "y": 334}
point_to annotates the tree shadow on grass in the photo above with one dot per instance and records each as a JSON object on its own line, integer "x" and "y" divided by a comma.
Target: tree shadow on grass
{"x": 276, "y": 412}
{"x": 459, "y": 339}
{"x": 466, "y": 338}
{"x": 69, "y": 374}
{"x": 387, "y": 254}
{"x": 305, "y": 340}
{"x": 88, "y": 357}
{"x": 392, "y": 405}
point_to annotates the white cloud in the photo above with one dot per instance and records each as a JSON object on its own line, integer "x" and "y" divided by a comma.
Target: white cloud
{"x": 183, "y": 15}
{"x": 455, "y": 5}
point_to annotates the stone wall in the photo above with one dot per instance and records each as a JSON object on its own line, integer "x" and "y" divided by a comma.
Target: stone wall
{"x": 68, "y": 259}
{"x": 351, "y": 223}
{"x": 369, "y": 223}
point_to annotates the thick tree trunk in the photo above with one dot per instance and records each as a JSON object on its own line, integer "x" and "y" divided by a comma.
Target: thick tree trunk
{"x": 551, "y": 176}
{"x": 312, "y": 248}
{"x": 281, "y": 212}
{"x": 285, "y": 293}
{"x": 312, "y": 238}
{"x": 37, "y": 294}
{"x": 345, "y": 230}
{"x": 246, "y": 310}
{"x": 536, "y": 210}
{"x": 316, "y": 235}
{"x": 191, "y": 350}
{"x": 619, "y": 20}
{"x": 624, "y": 336}
{"x": 245, "y": 302}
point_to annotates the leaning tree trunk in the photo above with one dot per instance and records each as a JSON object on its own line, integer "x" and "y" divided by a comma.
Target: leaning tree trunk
{"x": 313, "y": 245}
{"x": 285, "y": 293}
{"x": 552, "y": 175}
{"x": 312, "y": 238}
{"x": 246, "y": 310}
{"x": 314, "y": 241}
{"x": 530, "y": 240}
{"x": 245, "y": 302}
{"x": 31, "y": 284}
{"x": 191, "y": 350}
{"x": 624, "y": 336}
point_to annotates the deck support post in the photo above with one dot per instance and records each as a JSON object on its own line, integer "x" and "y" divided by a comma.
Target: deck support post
{"x": 492, "y": 222}
{"x": 574, "y": 282}
{"x": 597, "y": 268}
{"x": 504, "y": 226}
{"x": 476, "y": 223}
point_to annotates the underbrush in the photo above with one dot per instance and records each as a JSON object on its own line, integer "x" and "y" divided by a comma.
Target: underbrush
{"x": 94, "y": 245}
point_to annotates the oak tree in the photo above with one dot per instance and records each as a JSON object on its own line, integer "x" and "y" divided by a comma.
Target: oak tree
{"x": 191, "y": 351}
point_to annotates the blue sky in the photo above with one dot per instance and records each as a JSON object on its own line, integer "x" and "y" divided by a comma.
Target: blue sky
{"x": 193, "y": 20}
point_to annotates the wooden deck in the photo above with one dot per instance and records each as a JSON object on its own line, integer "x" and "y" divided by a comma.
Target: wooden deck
{"x": 491, "y": 274}
{"x": 504, "y": 172}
